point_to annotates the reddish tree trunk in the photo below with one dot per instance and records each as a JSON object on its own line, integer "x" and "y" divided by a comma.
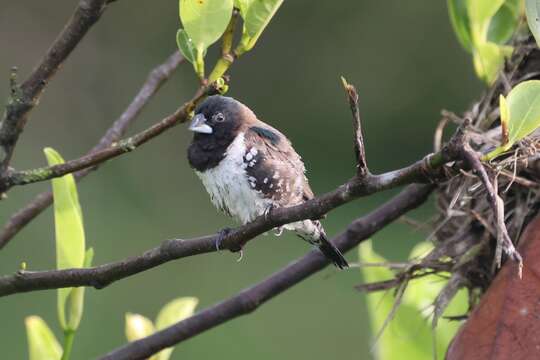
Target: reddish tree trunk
{"x": 506, "y": 323}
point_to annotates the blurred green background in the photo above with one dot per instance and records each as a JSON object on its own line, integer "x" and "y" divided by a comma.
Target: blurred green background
{"x": 407, "y": 66}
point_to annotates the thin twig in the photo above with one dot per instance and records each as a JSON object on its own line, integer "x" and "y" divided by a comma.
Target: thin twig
{"x": 438, "y": 135}
{"x": 181, "y": 115}
{"x": 359, "y": 145}
{"x": 251, "y": 298}
{"x": 497, "y": 205}
{"x": 398, "y": 297}
{"x": 155, "y": 79}
{"x": 25, "y": 97}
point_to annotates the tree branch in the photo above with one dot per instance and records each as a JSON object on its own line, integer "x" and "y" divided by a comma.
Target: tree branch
{"x": 181, "y": 115}
{"x": 423, "y": 171}
{"x": 251, "y": 298}
{"x": 24, "y": 98}
{"x": 155, "y": 79}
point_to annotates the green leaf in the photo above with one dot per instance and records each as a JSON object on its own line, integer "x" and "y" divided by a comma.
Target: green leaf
{"x": 42, "y": 344}
{"x": 185, "y": 45}
{"x": 422, "y": 293}
{"x": 243, "y": 6}
{"x": 481, "y": 11}
{"x": 488, "y": 59}
{"x": 173, "y": 312}
{"x": 138, "y": 327}
{"x": 532, "y": 9}
{"x": 397, "y": 341}
{"x": 504, "y": 22}
{"x": 258, "y": 15}
{"x": 420, "y": 250}
{"x": 521, "y": 111}
{"x": 482, "y": 26}
{"x": 75, "y": 300}
{"x": 70, "y": 240}
{"x": 457, "y": 9}
{"x": 409, "y": 334}
{"x": 205, "y": 20}
{"x": 69, "y": 228}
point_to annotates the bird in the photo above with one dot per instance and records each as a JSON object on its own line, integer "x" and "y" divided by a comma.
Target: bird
{"x": 249, "y": 168}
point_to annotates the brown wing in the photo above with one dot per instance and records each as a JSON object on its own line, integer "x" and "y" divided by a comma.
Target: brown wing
{"x": 273, "y": 167}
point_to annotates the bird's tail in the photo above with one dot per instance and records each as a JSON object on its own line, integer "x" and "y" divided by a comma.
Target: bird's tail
{"x": 331, "y": 252}
{"x": 313, "y": 232}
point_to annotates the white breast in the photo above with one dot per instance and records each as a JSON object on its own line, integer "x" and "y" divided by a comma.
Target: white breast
{"x": 229, "y": 187}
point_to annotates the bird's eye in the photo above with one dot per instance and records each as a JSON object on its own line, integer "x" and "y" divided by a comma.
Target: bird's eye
{"x": 219, "y": 117}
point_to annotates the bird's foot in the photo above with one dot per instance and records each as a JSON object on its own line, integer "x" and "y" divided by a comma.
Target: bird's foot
{"x": 267, "y": 212}
{"x": 222, "y": 234}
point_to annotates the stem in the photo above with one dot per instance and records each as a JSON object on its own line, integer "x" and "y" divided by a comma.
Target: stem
{"x": 199, "y": 63}
{"x": 222, "y": 65}
{"x": 69, "y": 336}
{"x": 228, "y": 35}
{"x": 227, "y": 58}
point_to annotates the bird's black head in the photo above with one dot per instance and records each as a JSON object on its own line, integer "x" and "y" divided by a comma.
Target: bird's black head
{"x": 216, "y": 123}
{"x": 217, "y": 118}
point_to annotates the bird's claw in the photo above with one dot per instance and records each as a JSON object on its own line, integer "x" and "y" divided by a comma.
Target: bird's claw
{"x": 268, "y": 211}
{"x": 222, "y": 234}
{"x": 241, "y": 256}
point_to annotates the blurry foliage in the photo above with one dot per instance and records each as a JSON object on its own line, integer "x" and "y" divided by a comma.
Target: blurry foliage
{"x": 483, "y": 27}
{"x": 404, "y": 328}
{"x": 206, "y": 21}
{"x": 138, "y": 326}
{"x": 532, "y": 9}
{"x": 520, "y": 115}
{"x": 70, "y": 241}
{"x": 70, "y": 245}
{"x": 70, "y": 253}
{"x": 42, "y": 344}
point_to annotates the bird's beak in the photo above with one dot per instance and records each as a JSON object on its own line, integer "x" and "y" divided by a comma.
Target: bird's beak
{"x": 198, "y": 124}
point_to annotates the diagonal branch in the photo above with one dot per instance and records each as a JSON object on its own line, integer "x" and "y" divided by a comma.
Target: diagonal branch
{"x": 155, "y": 79}
{"x": 26, "y": 96}
{"x": 251, "y": 298}
{"x": 181, "y": 115}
